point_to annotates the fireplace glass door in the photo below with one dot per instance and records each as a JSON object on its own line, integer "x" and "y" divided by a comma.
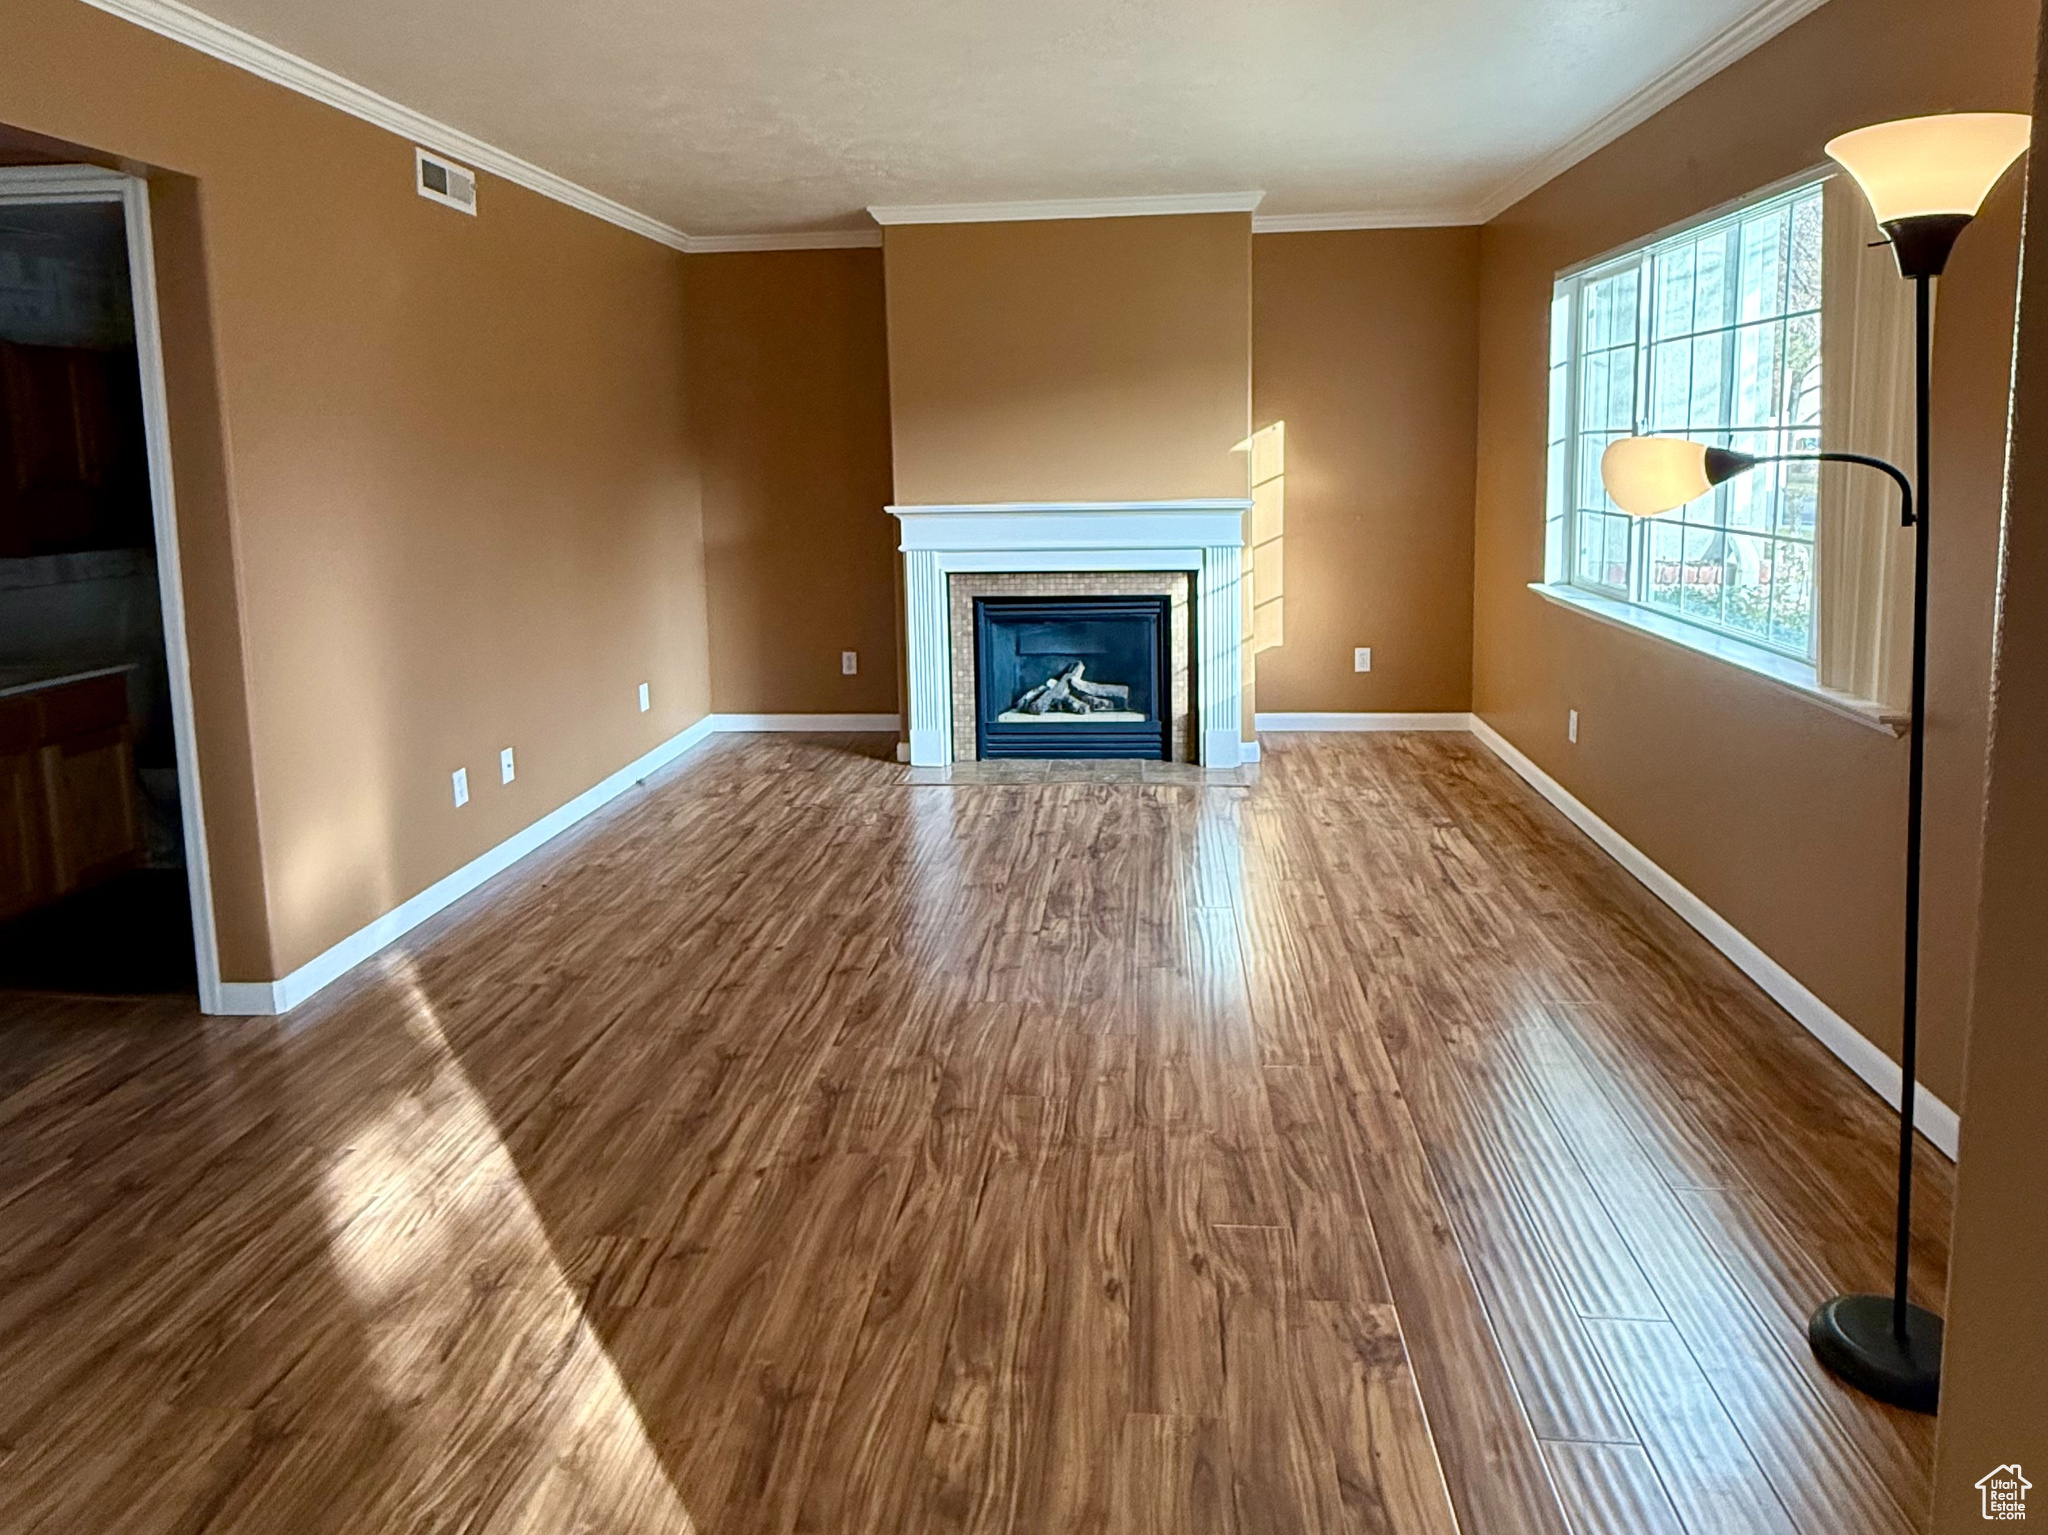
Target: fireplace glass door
{"x": 1073, "y": 677}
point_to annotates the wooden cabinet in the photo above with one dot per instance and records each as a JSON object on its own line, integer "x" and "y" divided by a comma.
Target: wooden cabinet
{"x": 72, "y": 468}
{"x": 68, "y": 810}
{"x": 24, "y": 858}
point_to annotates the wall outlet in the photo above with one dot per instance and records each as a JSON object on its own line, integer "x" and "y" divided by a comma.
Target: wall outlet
{"x": 1571, "y": 726}
{"x": 461, "y": 780}
{"x": 643, "y": 698}
{"x": 505, "y": 772}
{"x": 849, "y": 663}
{"x": 1361, "y": 659}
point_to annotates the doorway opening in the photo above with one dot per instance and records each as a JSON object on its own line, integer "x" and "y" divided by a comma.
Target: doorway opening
{"x": 102, "y": 861}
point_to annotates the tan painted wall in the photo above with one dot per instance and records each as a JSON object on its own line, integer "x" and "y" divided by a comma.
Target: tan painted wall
{"x": 1074, "y": 359}
{"x": 1365, "y": 342}
{"x": 1994, "y": 1398}
{"x": 456, "y": 484}
{"x": 1784, "y": 818}
{"x": 217, "y": 641}
{"x": 790, "y": 406}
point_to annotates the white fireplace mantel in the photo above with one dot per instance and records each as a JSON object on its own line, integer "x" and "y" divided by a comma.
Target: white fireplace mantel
{"x": 1206, "y": 537}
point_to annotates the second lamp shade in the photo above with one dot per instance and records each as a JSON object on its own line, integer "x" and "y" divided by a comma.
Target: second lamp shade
{"x": 1648, "y": 475}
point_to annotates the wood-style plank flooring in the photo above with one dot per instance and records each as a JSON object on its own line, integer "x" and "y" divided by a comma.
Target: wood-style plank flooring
{"x": 806, "y": 1146}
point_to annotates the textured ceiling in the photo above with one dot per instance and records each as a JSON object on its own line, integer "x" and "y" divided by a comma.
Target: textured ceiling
{"x": 757, "y": 115}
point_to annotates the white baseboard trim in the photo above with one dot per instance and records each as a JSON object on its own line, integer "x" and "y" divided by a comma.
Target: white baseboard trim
{"x": 1283, "y": 722}
{"x": 268, "y": 998}
{"x": 835, "y": 724}
{"x": 1935, "y": 1119}
{"x": 1249, "y": 752}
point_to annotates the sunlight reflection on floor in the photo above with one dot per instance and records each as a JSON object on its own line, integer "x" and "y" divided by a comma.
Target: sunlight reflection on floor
{"x": 476, "y": 1341}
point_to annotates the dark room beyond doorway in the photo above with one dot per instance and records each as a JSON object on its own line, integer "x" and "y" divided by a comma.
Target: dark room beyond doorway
{"x": 92, "y": 862}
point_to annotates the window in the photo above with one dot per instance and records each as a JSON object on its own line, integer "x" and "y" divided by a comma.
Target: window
{"x": 1712, "y": 334}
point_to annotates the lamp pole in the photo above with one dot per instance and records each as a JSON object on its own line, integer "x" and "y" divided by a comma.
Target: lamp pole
{"x": 1885, "y": 1346}
{"x": 1916, "y": 785}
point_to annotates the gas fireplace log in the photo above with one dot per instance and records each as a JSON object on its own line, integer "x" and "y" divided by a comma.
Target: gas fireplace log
{"x": 1071, "y": 693}
{"x": 1103, "y": 695}
{"x": 1054, "y": 695}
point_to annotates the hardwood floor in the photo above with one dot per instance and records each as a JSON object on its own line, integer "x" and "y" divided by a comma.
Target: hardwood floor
{"x": 806, "y": 1146}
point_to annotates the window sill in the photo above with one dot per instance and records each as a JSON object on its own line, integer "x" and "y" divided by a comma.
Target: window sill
{"x": 1793, "y": 676}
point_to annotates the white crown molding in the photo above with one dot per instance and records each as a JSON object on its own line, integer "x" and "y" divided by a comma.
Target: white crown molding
{"x": 801, "y": 240}
{"x": 231, "y": 45}
{"x": 182, "y": 24}
{"x": 1389, "y": 218}
{"x": 1743, "y": 37}
{"x": 1065, "y": 208}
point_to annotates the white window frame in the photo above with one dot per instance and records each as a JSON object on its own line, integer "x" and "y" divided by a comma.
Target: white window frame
{"x": 1563, "y": 501}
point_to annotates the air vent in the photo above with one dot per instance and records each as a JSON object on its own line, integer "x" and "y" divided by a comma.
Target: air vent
{"x": 445, "y": 182}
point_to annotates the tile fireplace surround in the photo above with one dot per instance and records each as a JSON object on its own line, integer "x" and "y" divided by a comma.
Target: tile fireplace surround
{"x": 1205, "y": 538}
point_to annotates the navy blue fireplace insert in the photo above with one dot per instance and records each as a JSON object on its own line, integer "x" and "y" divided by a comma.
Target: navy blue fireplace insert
{"x": 1073, "y": 677}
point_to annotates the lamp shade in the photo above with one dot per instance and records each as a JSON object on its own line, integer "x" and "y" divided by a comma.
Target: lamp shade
{"x": 1648, "y": 475}
{"x": 1920, "y": 167}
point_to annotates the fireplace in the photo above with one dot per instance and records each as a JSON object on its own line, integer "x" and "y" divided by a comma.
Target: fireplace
{"x": 1190, "y": 551}
{"x": 1065, "y": 589}
{"x": 1073, "y": 677}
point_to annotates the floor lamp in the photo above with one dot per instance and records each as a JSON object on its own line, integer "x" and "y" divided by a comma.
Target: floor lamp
{"x": 1926, "y": 178}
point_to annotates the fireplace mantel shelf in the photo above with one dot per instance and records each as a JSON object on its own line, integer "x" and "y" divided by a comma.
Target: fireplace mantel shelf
{"x": 1090, "y": 525}
{"x": 1204, "y": 536}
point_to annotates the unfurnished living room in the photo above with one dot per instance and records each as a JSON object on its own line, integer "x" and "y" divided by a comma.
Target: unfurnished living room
{"x": 1107, "y": 767}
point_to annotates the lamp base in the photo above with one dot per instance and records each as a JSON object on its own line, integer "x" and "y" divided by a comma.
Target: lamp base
{"x": 1852, "y": 1335}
